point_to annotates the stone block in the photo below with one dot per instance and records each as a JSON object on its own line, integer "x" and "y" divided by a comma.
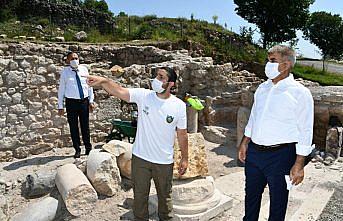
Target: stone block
{"x": 197, "y": 159}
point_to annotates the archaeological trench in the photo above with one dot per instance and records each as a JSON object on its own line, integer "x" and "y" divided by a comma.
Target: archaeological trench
{"x": 30, "y": 125}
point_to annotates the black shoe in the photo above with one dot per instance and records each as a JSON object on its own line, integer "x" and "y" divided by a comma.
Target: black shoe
{"x": 77, "y": 154}
{"x": 88, "y": 150}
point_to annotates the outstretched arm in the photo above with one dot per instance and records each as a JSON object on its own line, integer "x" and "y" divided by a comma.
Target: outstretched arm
{"x": 110, "y": 86}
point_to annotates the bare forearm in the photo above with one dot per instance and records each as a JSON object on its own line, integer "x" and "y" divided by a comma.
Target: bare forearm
{"x": 115, "y": 89}
{"x": 110, "y": 86}
{"x": 300, "y": 161}
{"x": 245, "y": 140}
{"x": 183, "y": 144}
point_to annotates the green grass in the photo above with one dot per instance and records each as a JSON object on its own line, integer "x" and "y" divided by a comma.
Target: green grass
{"x": 323, "y": 78}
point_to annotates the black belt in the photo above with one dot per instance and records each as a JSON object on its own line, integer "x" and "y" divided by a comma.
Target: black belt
{"x": 274, "y": 147}
{"x": 77, "y": 100}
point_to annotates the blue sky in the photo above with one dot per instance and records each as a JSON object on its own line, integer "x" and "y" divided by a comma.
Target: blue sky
{"x": 205, "y": 9}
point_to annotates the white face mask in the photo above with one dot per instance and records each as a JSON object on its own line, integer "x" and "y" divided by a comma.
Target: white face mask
{"x": 272, "y": 70}
{"x": 157, "y": 85}
{"x": 74, "y": 64}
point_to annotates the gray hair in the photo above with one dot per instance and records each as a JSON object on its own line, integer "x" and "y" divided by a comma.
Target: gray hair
{"x": 285, "y": 52}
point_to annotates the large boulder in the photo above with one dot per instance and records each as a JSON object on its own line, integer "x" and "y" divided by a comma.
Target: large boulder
{"x": 40, "y": 183}
{"x": 117, "y": 71}
{"x": 80, "y": 36}
{"x": 216, "y": 134}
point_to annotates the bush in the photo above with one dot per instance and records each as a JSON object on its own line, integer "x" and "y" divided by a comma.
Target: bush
{"x": 94, "y": 36}
{"x": 43, "y": 21}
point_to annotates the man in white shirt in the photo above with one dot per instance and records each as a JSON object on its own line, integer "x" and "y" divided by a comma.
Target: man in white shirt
{"x": 161, "y": 116}
{"x": 278, "y": 136}
{"x": 79, "y": 101}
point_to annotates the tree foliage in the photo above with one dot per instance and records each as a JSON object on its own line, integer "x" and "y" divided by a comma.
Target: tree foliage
{"x": 326, "y": 31}
{"x": 215, "y": 18}
{"x": 100, "y": 6}
{"x": 277, "y": 20}
{"x": 12, "y": 8}
{"x": 7, "y": 9}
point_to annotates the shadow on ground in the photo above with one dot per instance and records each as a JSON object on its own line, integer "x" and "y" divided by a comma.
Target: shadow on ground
{"x": 33, "y": 161}
{"x": 230, "y": 151}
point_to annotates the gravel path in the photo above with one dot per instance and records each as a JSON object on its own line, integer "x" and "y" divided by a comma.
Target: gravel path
{"x": 333, "y": 211}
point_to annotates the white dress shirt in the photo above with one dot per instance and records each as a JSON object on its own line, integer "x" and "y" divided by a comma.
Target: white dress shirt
{"x": 282, "y": 113}
{"x": 68, "y": 85}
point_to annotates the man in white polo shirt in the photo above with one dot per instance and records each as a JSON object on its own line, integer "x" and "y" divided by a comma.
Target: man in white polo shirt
{"x": 278, "y": 136}
{"x": 161, "y": 116}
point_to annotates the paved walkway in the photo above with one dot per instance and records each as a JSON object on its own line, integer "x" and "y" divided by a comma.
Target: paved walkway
{"x": 330, "y": 67}
{"x": 307, "y": 201}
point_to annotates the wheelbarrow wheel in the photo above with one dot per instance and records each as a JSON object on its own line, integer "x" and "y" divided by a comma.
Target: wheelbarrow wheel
{"x": 117, "y": 136}
{"x": 114, "y": 136}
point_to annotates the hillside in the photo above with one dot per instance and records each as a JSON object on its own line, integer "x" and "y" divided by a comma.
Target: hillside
{"x": 55, "y": 19}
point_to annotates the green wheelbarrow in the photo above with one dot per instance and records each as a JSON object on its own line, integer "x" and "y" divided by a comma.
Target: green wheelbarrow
{"x": 122, "y": 129}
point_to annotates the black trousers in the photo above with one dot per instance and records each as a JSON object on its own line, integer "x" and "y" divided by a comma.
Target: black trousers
{"x": 78, "y": 110}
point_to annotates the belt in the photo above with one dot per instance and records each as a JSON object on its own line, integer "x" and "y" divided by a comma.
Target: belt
{"x": 274, "y": 147}
{"x": 77, "y": 100}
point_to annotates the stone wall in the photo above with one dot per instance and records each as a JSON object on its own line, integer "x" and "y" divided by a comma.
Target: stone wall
{"x": 29, "y": 123}
{"x": 328, "y": 102}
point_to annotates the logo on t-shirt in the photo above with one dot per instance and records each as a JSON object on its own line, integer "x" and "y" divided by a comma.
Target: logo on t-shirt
{"x": 146, "y": 110}
{"x": 169, "y": 119}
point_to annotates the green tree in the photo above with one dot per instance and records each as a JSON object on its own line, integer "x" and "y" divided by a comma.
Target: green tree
{"x": 215, "y": 18}
{"x": 100, "y": 6}
{"x": 246, "y": 32}
{"x": 326, "y": 31}
{"x": 277, "y": 20}
{"x": 8, "y": 9}
{"x": 192, "y": 17}
{"x": 122, "y": 14}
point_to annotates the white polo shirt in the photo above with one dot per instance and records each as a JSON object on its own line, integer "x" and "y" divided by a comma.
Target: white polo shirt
{"x": 282, "y": 113}
{"x": 157, "y": 122}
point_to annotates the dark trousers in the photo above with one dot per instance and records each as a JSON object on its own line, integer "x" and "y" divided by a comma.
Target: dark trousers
{"x": 267, "y": 167}
{"x": 78, "y": 110}
{"x": 162, "y": 174}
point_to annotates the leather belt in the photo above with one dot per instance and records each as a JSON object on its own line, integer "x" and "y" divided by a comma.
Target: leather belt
{"x": 274, "y": 147}
{"x": 77, "y": 100}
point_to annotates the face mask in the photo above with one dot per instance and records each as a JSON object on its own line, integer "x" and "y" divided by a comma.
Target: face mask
{"x": 272, "y": 70}
{"x": 157, "y": 85}
{"x": 74, "y": 63}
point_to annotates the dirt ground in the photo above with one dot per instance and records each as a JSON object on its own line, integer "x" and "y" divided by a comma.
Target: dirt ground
{"x": 222, "y": 160}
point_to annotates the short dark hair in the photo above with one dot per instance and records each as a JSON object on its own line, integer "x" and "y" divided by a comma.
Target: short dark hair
{"x": 172, "y": 76}
{"x": 69, "y": 53}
